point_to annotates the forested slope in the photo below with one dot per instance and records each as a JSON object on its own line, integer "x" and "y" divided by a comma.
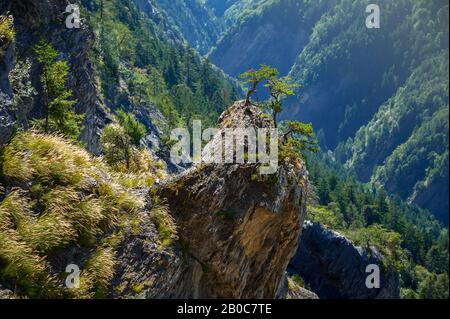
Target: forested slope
{"x": 370, "y": 93}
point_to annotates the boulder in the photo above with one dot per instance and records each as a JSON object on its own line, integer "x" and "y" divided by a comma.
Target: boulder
{"x": 334, "y": 268}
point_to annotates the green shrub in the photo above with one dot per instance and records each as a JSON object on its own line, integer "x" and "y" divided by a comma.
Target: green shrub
{"x": 167, "y": 232}
{"x": 325, "y": 216}
{"x": 387, "y": 242}
{"x": 7, "y": 32}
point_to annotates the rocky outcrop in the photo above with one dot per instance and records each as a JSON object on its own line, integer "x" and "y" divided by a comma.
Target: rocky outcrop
{"x": 145, "y": 269}
{"x": 47, "y": 18}
{"x": 289, "y": 289}
{"x": 237, "y": 229}
{"x": 334, "y": 268}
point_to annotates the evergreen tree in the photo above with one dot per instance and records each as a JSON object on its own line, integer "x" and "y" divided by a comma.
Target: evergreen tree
{"x": 58, "y": 105}
{"x": 278, "y": 89}
{"x": 254, "y": 77}
{"x": 121, "y": 140}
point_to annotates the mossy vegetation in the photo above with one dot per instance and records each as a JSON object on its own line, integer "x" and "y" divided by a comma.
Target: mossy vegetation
{"x": 7, "y": 32}
{"x": 296, "y": 278}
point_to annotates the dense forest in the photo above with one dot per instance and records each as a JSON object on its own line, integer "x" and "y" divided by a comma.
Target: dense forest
{"x": 371, "y": 93}
{"x": 383, "y": 107}
{"x": 414, "y": 242}
{"x": 172, "y": 76}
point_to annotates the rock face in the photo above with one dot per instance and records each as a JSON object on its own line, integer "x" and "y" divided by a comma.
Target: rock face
{"x": 289, "y": 289}
{"x": 47, "y": 18}
{"x": 144, "y": 270}
{"x": 6, "y": 64}
{"x": 238, "y": 229}
{"x": 335, "y": 269}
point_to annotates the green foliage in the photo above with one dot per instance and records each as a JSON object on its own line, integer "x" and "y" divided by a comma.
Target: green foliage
{"x": 132, "y": 127}
{"x": 117, "y": 146}
{"x": 384, "y": 116}
{"x": 427, "y": 285}
{"x": 135, "y": 50}
{"x": 59, "y": 114}
{"x": 297, "y": 137}
{"x": 121, "y": 141}
{"x": 296, "y": 140}
{"x": 7, "y": 32}
{"x": 295, "y": 278}
{"x": 373, "y": 218}
{"x": 196, "y": 22}
{"x": 387, "y": 242}
{"x": 134, "y": 166}
{"x": 254, "y": 77}
{"x": 279, "y": 88}
{"x": 326, "y": 215}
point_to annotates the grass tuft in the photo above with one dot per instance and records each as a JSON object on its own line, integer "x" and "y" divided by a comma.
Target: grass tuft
{"x": 67, "y": 199}
{"x": 167, "y": 231}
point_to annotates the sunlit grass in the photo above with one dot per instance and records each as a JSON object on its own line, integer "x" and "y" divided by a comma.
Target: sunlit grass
{"x": 67, "y": 199}
{"x": 167, "y": 231}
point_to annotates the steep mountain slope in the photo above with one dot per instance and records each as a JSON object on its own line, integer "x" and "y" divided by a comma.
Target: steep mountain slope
{"x": 368, "y": 91}
{"x": 23, "y": 71}
{"x": 353, "y": 76}
{"x": 60, "y": 204}
{"x": 270, "y": 32}
{"x": 153, "y": 74}
{"x": 220, "y": 6}
{"x": 194, "y": 21}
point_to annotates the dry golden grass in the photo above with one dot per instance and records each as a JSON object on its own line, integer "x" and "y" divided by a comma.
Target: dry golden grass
{"x": 167, "y": 230}
{"x": 144, "y": 171}
{"x": 48, "y": 159}
{"x": 72, "y": 199}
